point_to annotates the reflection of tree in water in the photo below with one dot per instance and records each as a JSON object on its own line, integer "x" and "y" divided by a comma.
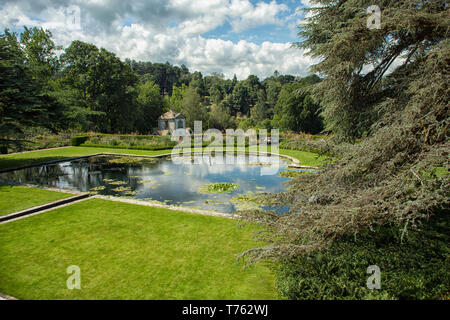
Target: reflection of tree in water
{"x": 44, "y": 175}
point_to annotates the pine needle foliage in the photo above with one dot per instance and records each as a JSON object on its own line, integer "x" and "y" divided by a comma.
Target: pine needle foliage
{"x": 385, "y": 94}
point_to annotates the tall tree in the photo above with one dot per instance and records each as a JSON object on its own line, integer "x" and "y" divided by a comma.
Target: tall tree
{"x": 149, "y": 107}
{"x": 176, "y": 99}
{"x": 39, "y": 50}
{"x": 388, "y": 86}
{"x": 192, "y": 108}
{"x": 296, "y": 110}
{"x": 23, "y": 103}
{"x": 355, "y": 73}
{"x": 241, "y": 99}
{"x": 104, "y": 84}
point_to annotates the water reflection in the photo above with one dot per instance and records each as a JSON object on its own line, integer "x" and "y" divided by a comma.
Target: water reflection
{"x": 157, "y": 179}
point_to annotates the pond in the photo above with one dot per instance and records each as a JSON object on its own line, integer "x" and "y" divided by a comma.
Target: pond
{"x": 163, "y": 180}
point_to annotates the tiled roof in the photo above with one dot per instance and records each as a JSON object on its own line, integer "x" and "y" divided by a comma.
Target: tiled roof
{"x": 171, "y": 115}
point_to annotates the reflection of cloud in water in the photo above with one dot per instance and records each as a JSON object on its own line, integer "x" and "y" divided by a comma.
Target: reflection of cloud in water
{"x": 230, "y": 163}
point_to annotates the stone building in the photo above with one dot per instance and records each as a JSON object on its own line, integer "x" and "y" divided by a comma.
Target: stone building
{"x": 171, "y": 121}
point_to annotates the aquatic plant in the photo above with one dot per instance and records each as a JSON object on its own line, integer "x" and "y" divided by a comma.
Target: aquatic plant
{"x": 293, "y": 173}
{"x": 122, "y": 189}
{"x": 221, "y": 187}
{"x": 117, "y": 183}
{"x": 100, "y": 188}
{"x": 133, "y": 161}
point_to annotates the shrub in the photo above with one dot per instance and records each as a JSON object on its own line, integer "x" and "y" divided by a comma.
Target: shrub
{"x": 114, "y": 142}
{"x": 415, "y": 269}
{"x": 3, "y": 149}
{"x": 136, "y": 142}
{"x": 78, "y": 140}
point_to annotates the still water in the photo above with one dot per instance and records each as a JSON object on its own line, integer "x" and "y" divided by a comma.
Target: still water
{"x": 161, "y": 180}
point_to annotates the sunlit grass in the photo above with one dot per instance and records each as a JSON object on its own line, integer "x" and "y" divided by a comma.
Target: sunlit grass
{"x": 18, "y": 198}
{"x": 128, "y": 251}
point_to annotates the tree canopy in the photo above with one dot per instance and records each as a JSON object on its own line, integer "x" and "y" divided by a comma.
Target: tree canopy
{"x": 24, "y": 101}
{"x": 390, "y": 88}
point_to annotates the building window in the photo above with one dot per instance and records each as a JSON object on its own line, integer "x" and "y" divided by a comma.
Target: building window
{"x": 180, "y": 124}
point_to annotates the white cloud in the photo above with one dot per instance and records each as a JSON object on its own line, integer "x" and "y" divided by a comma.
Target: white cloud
{"x": 245, "y": 16}
{"x": 172, "y": 31}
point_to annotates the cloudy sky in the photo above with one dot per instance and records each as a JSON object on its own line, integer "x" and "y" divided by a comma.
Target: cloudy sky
{"x": 239, "y": 37}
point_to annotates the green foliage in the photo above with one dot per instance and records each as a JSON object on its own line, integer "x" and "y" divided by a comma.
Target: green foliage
{"x": 337, "y": 33}
{"x": 135, "y": 142}
{"x": 39, "y": 50}
{"x": 24, "y": 103}
{"x": 245, "y": 123}
{"x": 78, "y": 140}
{"x": 390, "y": 128}
{"x": 415, "y": 268}
{"x": 220, "y": 119}
{"x": 90, "y": 89}
{"x": 220, "y": 187}
{"x": 176, "y": 99}
{"x": 192, "y": 107}
{"x": 164, "y": 75}
{"x": 295, "y": 110}
{"x": 241, "y": 99}
{"x": 293, "y": 173}
{"x": 150, "y": 107}
{"x": 132, "y": 161}
{"x": 102, "y": 84}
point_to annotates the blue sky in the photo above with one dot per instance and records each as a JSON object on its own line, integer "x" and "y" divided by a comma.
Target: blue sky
{"x": 239, "y": 37}
{"x": 269, "y": 32}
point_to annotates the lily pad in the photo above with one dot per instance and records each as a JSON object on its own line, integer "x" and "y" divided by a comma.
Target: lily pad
{"x": 221, "y": 187}
{"x": 100, "y": 188}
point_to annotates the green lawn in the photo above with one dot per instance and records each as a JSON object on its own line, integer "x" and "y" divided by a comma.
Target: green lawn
{"x": 129, "y": 252}
{"x": 305, "y": 158}
{"x": 42, "y": 156}
{"x": 17, "y": 198}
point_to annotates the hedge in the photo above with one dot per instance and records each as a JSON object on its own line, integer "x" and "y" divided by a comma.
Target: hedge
{"x": 78, "y": 140}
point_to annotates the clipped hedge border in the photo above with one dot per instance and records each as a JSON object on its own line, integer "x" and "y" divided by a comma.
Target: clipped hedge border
{"x": 78, "y": 140}
{"x": 148, "y": 148}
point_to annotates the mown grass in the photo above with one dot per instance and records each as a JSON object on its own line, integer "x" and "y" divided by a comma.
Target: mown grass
{"x": 305, "y": 158}
{"x": 129, "y": 252}
{"x": 17, "y": 198}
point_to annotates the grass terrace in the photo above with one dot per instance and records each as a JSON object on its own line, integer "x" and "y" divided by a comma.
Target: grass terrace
{"x": 129, "y": 251}
{"x": 18, "y": 198}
